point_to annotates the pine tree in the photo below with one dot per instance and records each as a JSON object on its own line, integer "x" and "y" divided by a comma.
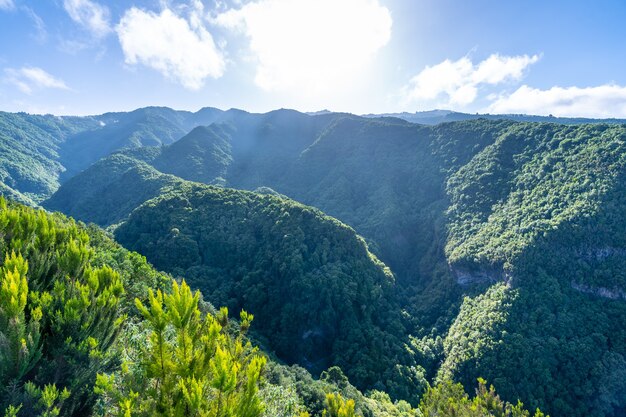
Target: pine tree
{"x": 191, "y": 365}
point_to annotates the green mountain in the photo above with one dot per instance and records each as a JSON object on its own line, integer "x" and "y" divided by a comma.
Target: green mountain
{"x": 29, "y": 153}
{"x": 537, "y": 217}
{"x": 85, "y": 325}
{"x": 150, "y": 126}
{"x": 252, "y": 251}
{"x": 109, "y": 190}
{"x": 505, "y": 237}
{"x": 40, "y": 152}
{"x": 319, "y": 296}
{"x": 433, "y": 117}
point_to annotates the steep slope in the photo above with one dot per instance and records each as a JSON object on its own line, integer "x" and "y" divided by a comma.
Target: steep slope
{"x": 320, "y": 297}
{"x": 369, "y": 173}
{"x": 29, "y": 149}
{"x": 150, "y": 126}
{"x": 74, "y": 340}
{"x": 203, "y": 155}
{"x": 525, "y": 219}
{"x": 109, "y": 190}
{"x": 250, "y": 251}
{"x": 540, "y": 213}
{"x": 63, "y": 299}
{"x": 40, "y": 152}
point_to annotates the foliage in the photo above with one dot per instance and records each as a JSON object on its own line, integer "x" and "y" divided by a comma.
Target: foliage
{"x": 40, "y": 152}
{"x": 59, "y": 315}
{"x": 109, "y": 190}
{"x": 190, "y": 367}
{"x": 506, "y": 240}
{"x": 64, "y": 383}
{"x": 272, "y": 257}
{"x": 312, "y": 393}
{"x": 448, "y": 399}
{"x": 336, "y": 406}
{"x": 540, "y": 210}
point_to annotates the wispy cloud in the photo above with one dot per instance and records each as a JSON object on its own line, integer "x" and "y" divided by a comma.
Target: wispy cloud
{"x": 600, "y": 101}
{"x": 92, "y": 16}
{"x": 7, "y": 5}
{"x": 41, "y": 33}
{"x": 457, "y": 82}
{"x": 30, "y": 79}
{"x": 311, "y": 45}
{"x": 178, "y": 46}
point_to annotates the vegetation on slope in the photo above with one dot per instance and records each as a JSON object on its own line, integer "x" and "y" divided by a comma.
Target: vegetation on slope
{"x": 40, "y": 152}
{"x": 60, "y": 314}
{"x": 541, "y": 210}
{"x": 29, "y": 149}
{"x": 320, "y": 297}
{"x": 74, "y": 342}
{"x": 109, "y": 190}
{"x": 522, "y": 218}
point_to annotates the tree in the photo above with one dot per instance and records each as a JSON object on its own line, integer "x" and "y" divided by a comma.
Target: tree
{"x": 190, "y": 366}
{"x": 337, "y": 406}
{"x": 449, "y": 399}
{"x": 59, "y": 316}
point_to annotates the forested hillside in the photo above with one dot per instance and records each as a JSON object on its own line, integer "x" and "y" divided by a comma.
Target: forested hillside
{"x": 40, "y": 152}
{"x": 500, "y": 244}
{"x": 320, "y": 297}
{"x": 86, "y": 325}
{"x": 540, "y": 213}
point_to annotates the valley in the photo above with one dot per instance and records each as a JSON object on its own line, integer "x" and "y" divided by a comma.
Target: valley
{"x": 404, "y": 254}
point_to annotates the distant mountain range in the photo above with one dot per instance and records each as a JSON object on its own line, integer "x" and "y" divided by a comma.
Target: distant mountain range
{"x": 433, "y": 117}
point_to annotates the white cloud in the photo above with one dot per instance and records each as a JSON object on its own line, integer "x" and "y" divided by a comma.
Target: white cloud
{"x": 601, "y": 101}
{"x": 29, "y": 79}
{"x": 178, "y": 47}
{"x": 41, "y": 34}
{"x": 310, "y": 45}
{"x": 90, "y": 15}
{"x": 7, "y": 5}
{"x": 458, "y": 81}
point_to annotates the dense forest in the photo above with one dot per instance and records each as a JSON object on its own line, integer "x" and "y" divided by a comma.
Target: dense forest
{"x": 382, "y": 260}
{"x": 89, "y": 328}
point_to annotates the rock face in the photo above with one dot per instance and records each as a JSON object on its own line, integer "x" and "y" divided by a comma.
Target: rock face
{"x": 613, "y": 294}
{"x": 598, "y": 254}
{"x": 466, "y": 277}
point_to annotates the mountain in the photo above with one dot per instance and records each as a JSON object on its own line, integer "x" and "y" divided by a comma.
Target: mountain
{"x": 57, "y": 148}
{"x": 150, "y": 126}
{"x": 109, "y": 190}
{"x": 504, "y": 236}
{"x": 30, "y": 163}
{"x": 252, "y": 251}
{"x": 41, "y": 152}
{"x": 386, "y": 178}
{"x": 504, "y": 239}
{"x": 318, "y": 295}
{"x": 82, "y": 322}
{"x": 433, "y": 117}
{"x": 536, "y": 216}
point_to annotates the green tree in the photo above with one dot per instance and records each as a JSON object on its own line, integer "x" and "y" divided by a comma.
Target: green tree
{"x": 191, "y": 365}
{"x": 449, "y": 399}
{"x": 20, "y": 348}
{"x": 59, "y": 316}
{"x": 337, "y": 406}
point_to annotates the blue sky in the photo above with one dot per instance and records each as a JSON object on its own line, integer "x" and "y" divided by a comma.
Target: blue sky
{"x": 565, "y": 58}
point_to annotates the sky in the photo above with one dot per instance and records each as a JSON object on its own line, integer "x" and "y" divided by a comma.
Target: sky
{"x": 79, "y": 57}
